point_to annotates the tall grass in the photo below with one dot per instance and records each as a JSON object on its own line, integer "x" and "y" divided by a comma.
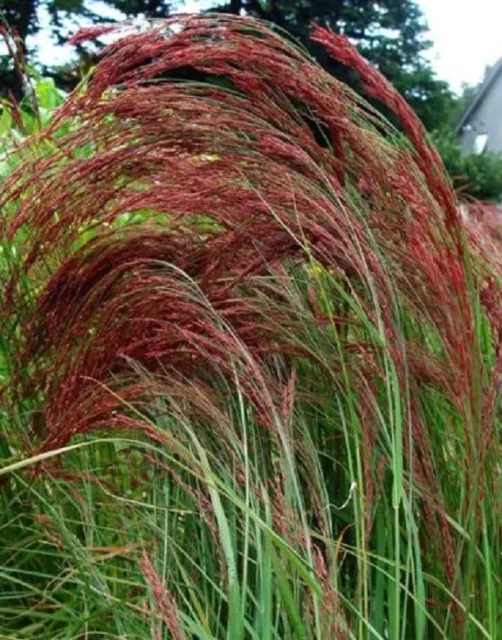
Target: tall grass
{"x": 250, "y": 357}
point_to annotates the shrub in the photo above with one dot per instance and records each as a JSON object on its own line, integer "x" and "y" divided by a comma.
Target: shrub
{"x": 474, "y": 176}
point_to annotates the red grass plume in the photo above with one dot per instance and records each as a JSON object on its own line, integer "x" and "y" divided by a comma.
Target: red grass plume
{"x": 151, "y": 225}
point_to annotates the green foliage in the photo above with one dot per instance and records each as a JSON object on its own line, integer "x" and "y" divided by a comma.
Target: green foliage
{"x": 18, "y": 121}
{"x": 65, "y": 17}
{"x": 432, "y": 99}
{"x": 149, "y": 8}
{"x": 65, "y": 14}
{"x": 475, "y": 176}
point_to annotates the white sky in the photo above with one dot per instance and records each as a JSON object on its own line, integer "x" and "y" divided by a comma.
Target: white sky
{"x": 467, "y": 36}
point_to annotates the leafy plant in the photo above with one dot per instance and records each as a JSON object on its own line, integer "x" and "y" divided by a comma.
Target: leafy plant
{"x": 475, "y": 176}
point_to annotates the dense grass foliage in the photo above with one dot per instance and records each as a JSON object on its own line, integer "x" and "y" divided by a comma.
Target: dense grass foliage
{"x": 250, "y": 359}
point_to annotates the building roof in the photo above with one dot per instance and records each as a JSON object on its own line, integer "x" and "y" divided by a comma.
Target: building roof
{"x": 485, "y": 86}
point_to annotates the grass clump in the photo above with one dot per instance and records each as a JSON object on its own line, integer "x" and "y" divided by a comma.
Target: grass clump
{"x": 250, "y": 358}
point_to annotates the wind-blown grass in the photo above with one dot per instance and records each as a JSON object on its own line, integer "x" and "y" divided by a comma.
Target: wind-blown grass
{"x": 251, "y": 358}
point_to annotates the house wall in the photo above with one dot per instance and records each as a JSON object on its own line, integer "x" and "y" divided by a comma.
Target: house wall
{"x": 486, "y": 118}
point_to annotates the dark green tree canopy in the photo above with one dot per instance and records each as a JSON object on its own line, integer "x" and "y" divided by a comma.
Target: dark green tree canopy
{"x": 390, "y": 33}
{"x": 65, "y": 17}
{"x": 24, "y": 15}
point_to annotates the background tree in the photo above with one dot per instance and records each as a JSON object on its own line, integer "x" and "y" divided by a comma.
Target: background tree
{"x": 65, "y": 16}
{"x": 24, "y": 15}
{"x": 475, "y": 176}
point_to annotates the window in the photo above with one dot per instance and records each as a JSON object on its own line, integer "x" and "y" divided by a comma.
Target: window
{"x": 480, "y": 143}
